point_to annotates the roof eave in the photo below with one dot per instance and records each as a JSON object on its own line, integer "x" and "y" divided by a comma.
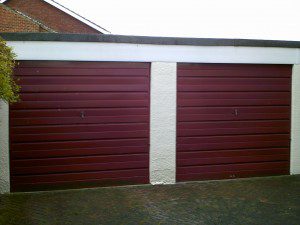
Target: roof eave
{"x": 108, "y": 38}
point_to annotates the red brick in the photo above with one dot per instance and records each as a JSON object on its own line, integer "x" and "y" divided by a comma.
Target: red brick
{"x": 50, "y": 16}
{"x": 11, "y": 21}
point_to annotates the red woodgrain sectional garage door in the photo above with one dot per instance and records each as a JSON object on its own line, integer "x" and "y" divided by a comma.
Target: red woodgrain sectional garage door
{"x": 233, "y": 120}
{"x": 80, "y": 123}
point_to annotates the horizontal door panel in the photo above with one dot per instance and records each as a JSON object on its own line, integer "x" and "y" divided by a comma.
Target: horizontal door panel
{"x": 65, "y": 177}
{"x": 79, "y": 120}
{"x": 233, "y": 167}
{"x": 232, "y": 87}
{"x": 81, "y": 104}
{"x": 232, "y": 117}
{"x": 23, "y": 113}
{"x": 80, "y": 160}
{"x": 232, "y": 145}
{"x": 83, "y": 88}
{"x": 230, "y": 110}
{"x": 232, "y": 138}
{"x": 85, "y": 96}
{"x": 233, "y": 102}
{"x": 92, "y": 151}
{"x": 191, "y": 81}
{"x": 232, "y": 131}
{"x": 58, "y": 129}
{"x": 236, "y": 69}
{"x": 84, "y": 183}
{"x": 82, "y": 80}
{"x": 234, "y": 124}
{"x": 232, "y": 153}
{"x": 76, "y": 64}
{"x": 231, "y": 160}
{"x": 78, "y": 144}
{"x": 78, "y": 168}
{"x": 44, "y": 71}
{"x": 233, "y": 95}
{"x": 80, "y": 136}
{"x": 232, "y": 174}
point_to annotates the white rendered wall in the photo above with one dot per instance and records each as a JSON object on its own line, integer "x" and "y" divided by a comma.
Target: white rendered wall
{"x": 4, "y": 149}
{"x": 163, "y": 123}
{"x": 295, "y": 133}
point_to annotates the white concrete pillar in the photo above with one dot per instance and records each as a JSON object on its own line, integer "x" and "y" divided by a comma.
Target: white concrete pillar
{"x": 163, "y": 123}
{"x": 4, "y": 149}
{"x": 295, "y": 132}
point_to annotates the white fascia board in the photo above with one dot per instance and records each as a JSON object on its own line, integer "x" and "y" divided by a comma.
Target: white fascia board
{"x": 78, "y": 17}
{"x": 96, "y": 51}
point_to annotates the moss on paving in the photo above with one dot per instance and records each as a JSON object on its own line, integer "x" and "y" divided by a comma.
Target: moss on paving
{"x": 271, "y": 200}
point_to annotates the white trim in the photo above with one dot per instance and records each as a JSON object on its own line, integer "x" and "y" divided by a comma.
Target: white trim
{"x": 77, "y": 16}
{"x": 4, "y": 148}
{"x": 100, "y": 51}
{"x": 295, "y": 123}
{"x": 163, "y": 123}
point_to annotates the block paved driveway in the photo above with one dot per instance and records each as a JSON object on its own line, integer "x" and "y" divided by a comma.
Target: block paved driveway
{"x": 271, "y": 200}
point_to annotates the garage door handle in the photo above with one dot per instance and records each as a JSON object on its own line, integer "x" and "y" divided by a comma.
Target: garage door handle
{"x": 235, "y": 112}
{"x": 82, "y": 114}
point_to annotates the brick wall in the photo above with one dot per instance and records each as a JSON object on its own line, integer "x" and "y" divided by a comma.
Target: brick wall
{"x": 11, "y": 21}
{"x": 50, "y": 16}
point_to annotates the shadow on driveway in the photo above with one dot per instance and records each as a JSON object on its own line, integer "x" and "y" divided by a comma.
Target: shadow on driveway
{"x": 271, "y": 200}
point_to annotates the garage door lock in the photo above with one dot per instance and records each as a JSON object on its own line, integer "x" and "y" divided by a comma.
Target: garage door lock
{"x": 82, "y": 114}
{"x": 236, "y": 112}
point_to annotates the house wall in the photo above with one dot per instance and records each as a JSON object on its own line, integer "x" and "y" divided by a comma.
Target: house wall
{"x": 10, "y": 21}
{"x": 4, "y": 149}
{"x": 163, "y": 123}
{"x": 295, "y": 124}
{"x": 51, "y": 16}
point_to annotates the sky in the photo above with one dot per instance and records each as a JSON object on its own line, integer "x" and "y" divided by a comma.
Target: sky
{"x": 254, "y": 19}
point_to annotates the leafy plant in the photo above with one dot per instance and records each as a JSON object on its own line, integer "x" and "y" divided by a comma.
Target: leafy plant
{"x": 8, "y": 87}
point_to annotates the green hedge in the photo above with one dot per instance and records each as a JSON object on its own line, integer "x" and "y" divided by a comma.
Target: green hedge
{"x": 8, "y": 87}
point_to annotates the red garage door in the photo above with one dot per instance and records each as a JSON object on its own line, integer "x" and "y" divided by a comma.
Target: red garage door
{"x": 80, "y": 124}
{"x": 233, "y": 120}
